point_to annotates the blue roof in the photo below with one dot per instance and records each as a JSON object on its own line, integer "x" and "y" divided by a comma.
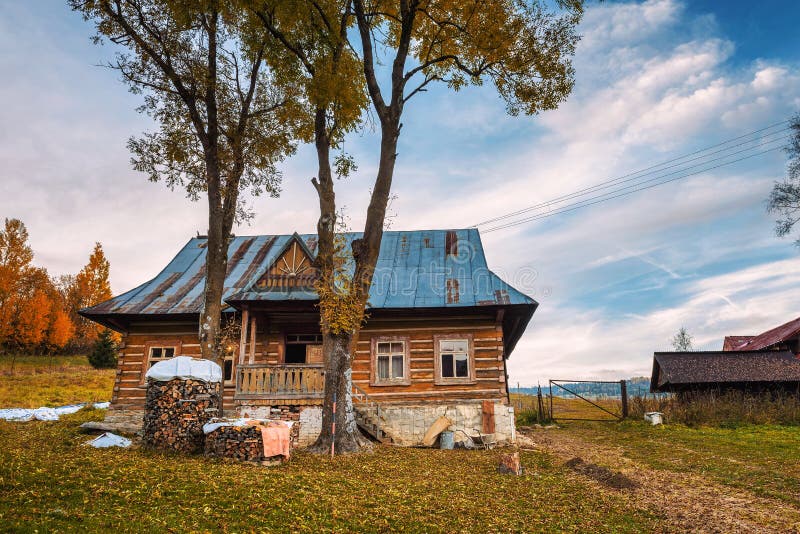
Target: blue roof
{"x": 416, "y": 269}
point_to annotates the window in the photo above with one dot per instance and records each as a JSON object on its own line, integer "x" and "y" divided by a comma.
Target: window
{"x": 454, "y": 362}
{"x": 390, "y": 364}
{"x": 158, "y": 354}
{"x": 158, "y": 351}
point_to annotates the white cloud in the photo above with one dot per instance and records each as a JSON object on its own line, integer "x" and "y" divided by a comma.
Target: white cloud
{"x": 598, "y": 344}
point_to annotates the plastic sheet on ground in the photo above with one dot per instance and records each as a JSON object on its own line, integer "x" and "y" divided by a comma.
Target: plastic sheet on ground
{"x": 109, "y": 439}
{"x": 44, "y": 413}
{"x": 212, "y": 426}
{"x": 185, "y": 368}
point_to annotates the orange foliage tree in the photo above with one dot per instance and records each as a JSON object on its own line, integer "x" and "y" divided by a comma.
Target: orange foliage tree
{"x": 33, "y": 312}
{"x": 89, "y": 287}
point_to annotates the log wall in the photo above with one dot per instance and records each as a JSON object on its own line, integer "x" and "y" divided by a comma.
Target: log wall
{"x": 489, "y": 383}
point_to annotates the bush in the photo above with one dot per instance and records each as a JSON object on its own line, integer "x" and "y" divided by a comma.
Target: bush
{"x": 104, "y": 351}
{"x": 723, "y": 409}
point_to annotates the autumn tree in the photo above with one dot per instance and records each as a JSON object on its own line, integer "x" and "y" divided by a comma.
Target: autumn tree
{"x": 784, "y": 200}
{"x": 522, "y": 48}
{"x": 89, "y": 287}
{"x": 223, "y": 123}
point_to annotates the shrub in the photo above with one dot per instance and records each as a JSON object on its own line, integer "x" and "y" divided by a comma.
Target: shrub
{"x": 104, "y": 351}
{"x": 722, "y": 408}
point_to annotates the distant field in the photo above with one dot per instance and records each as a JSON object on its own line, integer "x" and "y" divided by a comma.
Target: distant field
{"x": 566, "y": 408}
{"x": 43, "y": 381}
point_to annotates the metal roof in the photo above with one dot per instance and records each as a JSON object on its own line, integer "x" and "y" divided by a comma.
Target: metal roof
{"x": 779, "y": 334}
{"x": 415, "y": 269}
{"x": 672, "y": 369}
{"x": 731, "y": 342}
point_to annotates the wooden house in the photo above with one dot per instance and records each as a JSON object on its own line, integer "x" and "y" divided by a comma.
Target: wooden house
{"x": 440, "y": 328}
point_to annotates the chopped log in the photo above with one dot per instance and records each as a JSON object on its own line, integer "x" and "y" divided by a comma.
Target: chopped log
{"x": 510, "y": 464}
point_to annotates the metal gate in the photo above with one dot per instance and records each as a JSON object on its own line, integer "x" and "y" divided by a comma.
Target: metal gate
{"x": 588, "y": 400}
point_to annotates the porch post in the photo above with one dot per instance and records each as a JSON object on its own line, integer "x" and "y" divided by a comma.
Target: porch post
{"x": 243, "y": 335}
{"x": 253, "y": 339}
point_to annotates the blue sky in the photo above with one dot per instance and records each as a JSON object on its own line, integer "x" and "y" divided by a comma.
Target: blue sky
{"x": 654, "y": 80}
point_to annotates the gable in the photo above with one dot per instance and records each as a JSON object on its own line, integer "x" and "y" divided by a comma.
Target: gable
{"x": 293, "y": 267}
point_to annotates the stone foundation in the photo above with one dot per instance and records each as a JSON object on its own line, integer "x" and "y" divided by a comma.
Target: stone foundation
{"x": 407, "y": 423}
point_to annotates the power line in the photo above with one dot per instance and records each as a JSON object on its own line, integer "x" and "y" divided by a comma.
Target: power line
{"x": 604, "y": 198}
{"x": 642, "y": 173}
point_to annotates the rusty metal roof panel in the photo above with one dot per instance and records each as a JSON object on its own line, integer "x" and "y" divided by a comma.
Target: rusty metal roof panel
{"x": 416, "y": 269}
{"x": 772, "y": 337}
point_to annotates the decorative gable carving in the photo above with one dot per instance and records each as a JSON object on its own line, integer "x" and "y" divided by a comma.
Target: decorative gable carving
{"x": 294, "y": 267}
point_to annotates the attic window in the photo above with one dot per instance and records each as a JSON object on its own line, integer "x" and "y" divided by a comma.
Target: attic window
{"x": 293, "y": 268}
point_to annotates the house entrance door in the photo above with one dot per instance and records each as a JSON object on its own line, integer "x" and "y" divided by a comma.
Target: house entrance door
{"x": 303, "y": 349}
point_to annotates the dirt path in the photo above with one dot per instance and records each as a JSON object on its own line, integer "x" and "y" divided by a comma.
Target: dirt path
{"x": 691, "y": 503}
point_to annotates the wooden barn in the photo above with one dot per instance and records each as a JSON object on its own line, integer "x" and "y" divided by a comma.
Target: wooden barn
{"x": 750, "y": 371}
{"x": 440, "y": 328}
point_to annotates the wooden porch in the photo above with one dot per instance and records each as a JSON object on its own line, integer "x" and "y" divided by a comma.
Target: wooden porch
{"x": 289, "y": 384}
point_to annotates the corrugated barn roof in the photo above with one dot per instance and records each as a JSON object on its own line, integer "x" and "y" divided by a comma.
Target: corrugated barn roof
{"x": 779, "y": 334}
{"x": 416, "y": 269}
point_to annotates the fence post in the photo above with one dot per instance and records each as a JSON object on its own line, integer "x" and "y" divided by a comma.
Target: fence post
{"x": 623, "y": 391}
{"x": 540, "y": 411}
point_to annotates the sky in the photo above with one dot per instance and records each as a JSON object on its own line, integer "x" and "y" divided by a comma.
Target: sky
{"x": 615, "y": 281}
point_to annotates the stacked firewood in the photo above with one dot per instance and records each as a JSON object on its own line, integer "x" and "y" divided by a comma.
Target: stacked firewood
{"x": 176, "y": 411}
{"x": 241, "y": 443}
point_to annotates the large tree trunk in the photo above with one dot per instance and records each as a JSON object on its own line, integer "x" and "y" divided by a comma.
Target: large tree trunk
{"x": 336, "y": 347}
{"x": 338, "y": 381}
{"x": 216, "y": 268}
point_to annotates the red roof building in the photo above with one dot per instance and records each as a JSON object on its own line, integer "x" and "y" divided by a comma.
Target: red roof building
{"x": 783, "y": 337}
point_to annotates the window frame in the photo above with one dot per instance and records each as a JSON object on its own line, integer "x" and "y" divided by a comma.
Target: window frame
{"x": 373, "y": 374}
{"x": 440, "y": 380}
{"x": 158, "y": 344}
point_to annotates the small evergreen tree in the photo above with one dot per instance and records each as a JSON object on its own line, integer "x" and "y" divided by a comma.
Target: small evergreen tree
{"x": 104, "y": 351}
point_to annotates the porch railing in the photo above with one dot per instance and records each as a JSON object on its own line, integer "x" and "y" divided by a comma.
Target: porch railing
{"x": 260, "y": 381}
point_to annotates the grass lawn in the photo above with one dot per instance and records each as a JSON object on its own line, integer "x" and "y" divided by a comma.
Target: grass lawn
{"x": 386, "y": 490}
{"x": 43, "y": 381}
{"x": 759, "y": 458}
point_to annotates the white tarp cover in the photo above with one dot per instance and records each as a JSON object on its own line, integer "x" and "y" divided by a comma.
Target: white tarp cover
{"x": 185, "y": 368}
{"x": 109, "y": 439}
{"x": 210, "y": 427}
{"x": 44, "y": 413}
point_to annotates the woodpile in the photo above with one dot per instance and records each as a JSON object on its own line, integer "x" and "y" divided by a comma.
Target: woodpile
{"x": 175, "y": 412}
{"x": 243, "y": 443}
